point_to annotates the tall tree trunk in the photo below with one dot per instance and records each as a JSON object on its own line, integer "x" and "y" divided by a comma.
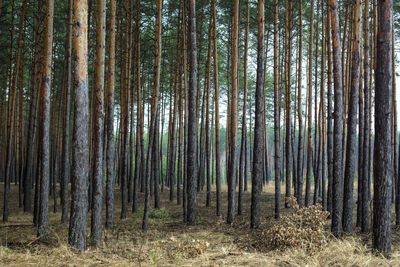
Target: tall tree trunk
{"x": 288, "y": 84}
{"x": 351, "y": 152}
{"x": 299, "y": 195}
{"x": 154, "y": 108}
{"x": 139, "y": 152}
{"x": 216, "y": 103}
{"x": 96, "y": 226}
{"x": 110, "y": 155}
{"x": 242, "y": 163}
{"x": 45, "y": 122}
{"x": 337, "y": 181}
{"x": 277, "y": 114}
{"x": 329, "y": 111}
{"x": 233, "y": 116}
{"x": 383, "y": 166}
{"x": 80, "y": 155}
{"x": 67, "y": 83}
{"x": 256, "y": 180}
{"x": 309, "y": 115}
{"x": 191, "y": 177}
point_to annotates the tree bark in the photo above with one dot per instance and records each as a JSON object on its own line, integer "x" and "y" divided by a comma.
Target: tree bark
{"x": 192, "y": 118}
{"x": 80, "y": 155}
{"x": 337, "y": 181}
{"x": 351, "y": 152}
{"x": 383, "y": 167}
{"x": 110, "y": 155}
{"x": 96, "y": 226}
{"x": 256, "y": 180}
{"x": 45, "y": 123}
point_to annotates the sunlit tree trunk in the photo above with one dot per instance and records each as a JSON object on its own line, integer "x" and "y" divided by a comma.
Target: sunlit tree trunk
{"x": 80, "y": 155}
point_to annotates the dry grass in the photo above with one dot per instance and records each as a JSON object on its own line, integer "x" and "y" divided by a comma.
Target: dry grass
{"x": 169, "y": 242}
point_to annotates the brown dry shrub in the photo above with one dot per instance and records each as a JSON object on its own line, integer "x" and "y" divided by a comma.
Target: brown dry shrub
{"x": 186, "y": 248}
{"x": 302, "y": 229}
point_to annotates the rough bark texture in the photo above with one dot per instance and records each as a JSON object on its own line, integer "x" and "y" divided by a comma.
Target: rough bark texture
{"x": 288, "y": 67}
{"x": 45, "y": 123}
{"x": 96, "y": 226}
{"x": 277, "y": 116}
{"x": 65, "y": 166}
{"x": 231, "y": 175}
{"x": 110, "y": 120}
{"x": 351, "y": 147}
{"x": 337, "y": 181}
{"x": 330, "y": 113}
{"x": 257, "y": 172}
{"x": 309, "y": 86}
{"x": 242, "y": 161}
{"x": 192, "y": 118}
{"x": 216, "y": 116}
{"x": 365, "y": 199}
{"x": 299, "y": 178}
{"x": 154, "y": 108}
{"x": 383, "y": 167}
{"x": 80, "y": 155}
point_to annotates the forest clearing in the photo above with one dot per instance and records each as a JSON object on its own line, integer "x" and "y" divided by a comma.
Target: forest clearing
{"x": 170, "y": 242}
{"x": 199, "y": 132}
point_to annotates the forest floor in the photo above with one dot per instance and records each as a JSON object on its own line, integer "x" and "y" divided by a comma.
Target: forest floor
{"x": 170, "y": 242}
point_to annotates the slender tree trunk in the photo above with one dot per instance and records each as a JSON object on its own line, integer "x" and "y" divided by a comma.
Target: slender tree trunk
{"x": 216, "y": 103}
{"x": 110, "y": 120}
{"x": 154, "y": 108}
{"x": 337, "y": 181}
{"x": 242, "y": 171}
{"x": 309, "y": 115}
{"x": 45, "y": 122}
{"x": 288, "y": 84}
{"x": 233, "y": 116}
{"x": 139, "y": 152}
{"x": 351, "y": 152}
{"x": 277, "y": 115}
{"x": 256, "y": 180}
{"x": 299, "y": 195}
{"x": 65, "y": 166}
{"x": 191, "y": 177}
{"x": 96, "y": 226}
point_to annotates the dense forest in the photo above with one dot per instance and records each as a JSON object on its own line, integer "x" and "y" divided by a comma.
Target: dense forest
{"x": 184, "y": 132}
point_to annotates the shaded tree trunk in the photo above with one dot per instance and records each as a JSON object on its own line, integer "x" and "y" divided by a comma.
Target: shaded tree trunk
{"x": 383, "y": 167}
{"x": 351, "y": 152}
{"x": 96, "y": 225}
{"x": 45, "y": 123}
{"x": 337, "y": 181}
{"x": 110, "y": 155}
{"x": 257, "y": 172}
